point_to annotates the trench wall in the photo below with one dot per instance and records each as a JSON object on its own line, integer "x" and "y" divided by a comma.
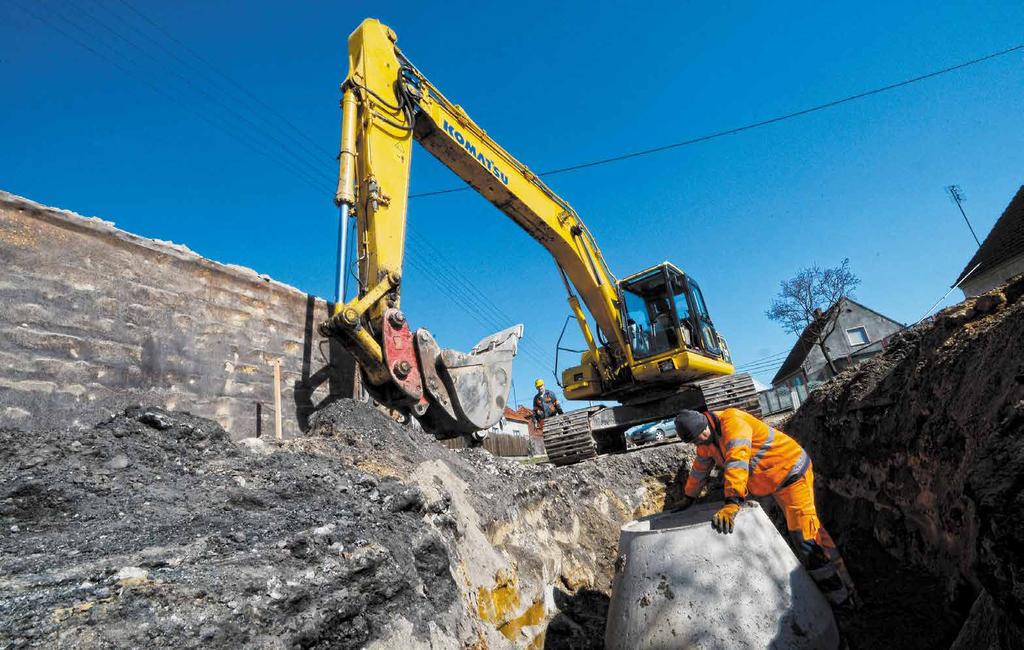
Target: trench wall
{"x": 94, "y": 319}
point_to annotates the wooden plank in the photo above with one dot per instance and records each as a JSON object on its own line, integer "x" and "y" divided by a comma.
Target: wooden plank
{"x": 278, "y": 430}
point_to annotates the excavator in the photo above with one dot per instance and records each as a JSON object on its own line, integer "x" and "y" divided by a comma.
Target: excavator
{"x": 652, "y": 346}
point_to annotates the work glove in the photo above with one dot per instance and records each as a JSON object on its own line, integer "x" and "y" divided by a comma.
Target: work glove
{"x": 724, "y": 520}
{"x": 682, "y": 504}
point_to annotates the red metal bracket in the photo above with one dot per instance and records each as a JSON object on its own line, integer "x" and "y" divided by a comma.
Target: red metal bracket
{"x": 400, "y": 356}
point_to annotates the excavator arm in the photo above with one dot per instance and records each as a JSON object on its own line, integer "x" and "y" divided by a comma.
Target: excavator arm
{"x": 387, "y": 104}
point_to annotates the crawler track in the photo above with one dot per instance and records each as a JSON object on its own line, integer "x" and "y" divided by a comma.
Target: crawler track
{"x": 567, "y": 438}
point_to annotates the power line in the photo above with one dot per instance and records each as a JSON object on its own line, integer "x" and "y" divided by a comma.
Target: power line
{"x": 762, "y": 366}
{"x": 770, "y": 357}
{"x": 456, "y": 277}
{"x": 225, "y": 128}
{"x": 753, "y": 125}
{"x": 312, "y": 176}
{"x": 228, "y": 108}
{"x": 224, "y": 76}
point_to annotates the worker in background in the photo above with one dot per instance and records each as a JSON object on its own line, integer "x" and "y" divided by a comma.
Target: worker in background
{"x": 638, "y": 338}
{"x": 663, "y": 326}
{"x": 545, "y": 404}
{"x": 759, "y": 460}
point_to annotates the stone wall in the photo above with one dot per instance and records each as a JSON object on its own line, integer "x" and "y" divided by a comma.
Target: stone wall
{"x": 93, "y": 319}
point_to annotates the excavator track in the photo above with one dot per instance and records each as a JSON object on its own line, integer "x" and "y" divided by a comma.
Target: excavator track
{"x": 588, "y": 433}
{"x": 731, "y": 391}
{"x": 567, "y": 438}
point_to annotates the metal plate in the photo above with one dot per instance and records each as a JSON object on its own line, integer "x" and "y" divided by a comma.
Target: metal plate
{"x": 428, "y": 352}
{"x": 399, "y": 351}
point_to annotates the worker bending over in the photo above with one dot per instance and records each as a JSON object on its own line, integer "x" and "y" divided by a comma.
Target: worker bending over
{"x": 545, "y": 404}
{"x": 759, "y": 460}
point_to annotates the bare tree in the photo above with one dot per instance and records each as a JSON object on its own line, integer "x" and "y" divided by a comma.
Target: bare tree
{"x": 810, "y": 296}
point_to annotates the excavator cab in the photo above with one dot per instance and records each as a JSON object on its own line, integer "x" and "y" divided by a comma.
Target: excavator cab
{"x": 670, "y": 334}
{"x": 666, "y": 312}
{"x": 668, "y": 326}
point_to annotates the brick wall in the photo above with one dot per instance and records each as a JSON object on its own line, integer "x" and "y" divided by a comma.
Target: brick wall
{"x": 93, "y": 319}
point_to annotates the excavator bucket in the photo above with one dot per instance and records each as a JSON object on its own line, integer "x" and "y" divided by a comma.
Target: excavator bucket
{"x": 467, "y": 392}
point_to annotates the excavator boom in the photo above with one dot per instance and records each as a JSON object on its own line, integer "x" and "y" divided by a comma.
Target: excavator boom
{"x": 639, "y": 337}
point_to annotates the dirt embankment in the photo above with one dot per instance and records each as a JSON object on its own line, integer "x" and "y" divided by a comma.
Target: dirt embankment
{"x": 155, "y": 530}
{"x": 921, "y": 457}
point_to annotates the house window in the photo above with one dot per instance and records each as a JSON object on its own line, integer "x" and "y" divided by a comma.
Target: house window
{"x": 857, "y": 336}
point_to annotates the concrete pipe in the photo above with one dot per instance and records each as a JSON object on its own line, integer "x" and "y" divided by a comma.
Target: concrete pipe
{"x": 680, "y": 584}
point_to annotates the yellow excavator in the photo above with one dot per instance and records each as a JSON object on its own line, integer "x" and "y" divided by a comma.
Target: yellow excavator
{"x": 652, "y": 346}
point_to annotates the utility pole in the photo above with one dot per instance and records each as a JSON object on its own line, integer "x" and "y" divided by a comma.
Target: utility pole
{"x": 958, "y": 197}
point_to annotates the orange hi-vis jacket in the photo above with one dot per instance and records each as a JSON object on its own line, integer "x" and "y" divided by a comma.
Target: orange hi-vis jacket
{"x": 758, "y": 459}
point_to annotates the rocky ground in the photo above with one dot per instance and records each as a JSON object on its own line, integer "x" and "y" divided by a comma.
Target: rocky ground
{"x": 155, "y": 530}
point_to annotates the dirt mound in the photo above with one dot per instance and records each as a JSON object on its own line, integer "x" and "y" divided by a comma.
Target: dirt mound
{"x": 921, "y": 457}
{"x": 155, "y": 530}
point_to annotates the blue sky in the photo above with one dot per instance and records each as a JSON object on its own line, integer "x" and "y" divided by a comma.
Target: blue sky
{"x": 555, "y": 84}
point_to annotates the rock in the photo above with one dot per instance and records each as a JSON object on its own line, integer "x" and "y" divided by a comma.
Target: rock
{"x": 31, "y": 462}
{"x": 157, "y": 420}
{"x": 988, "y": 628}
{"x": 119, "y": 461}
{"x": 131, "y": 575}
{"x": 208, "y": 633}
{"x": 323, "y": 531}
{"x": 255, "y": 445}
{"x": 410, "y": 499}
{"x": 989, "y": 302}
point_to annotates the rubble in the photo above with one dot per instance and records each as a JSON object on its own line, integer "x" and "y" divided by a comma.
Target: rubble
{"x": 154, "y": 529}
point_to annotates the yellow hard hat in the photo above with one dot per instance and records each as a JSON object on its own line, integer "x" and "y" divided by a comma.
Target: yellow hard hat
{"x": 538, "y": 383}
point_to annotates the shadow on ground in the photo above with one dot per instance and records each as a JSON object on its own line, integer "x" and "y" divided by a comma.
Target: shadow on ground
{"x": 580, "y": 622}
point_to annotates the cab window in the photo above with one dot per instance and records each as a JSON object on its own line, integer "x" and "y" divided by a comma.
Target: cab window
{"x": 682, "y": 310}
{"x": 698, "y": 300}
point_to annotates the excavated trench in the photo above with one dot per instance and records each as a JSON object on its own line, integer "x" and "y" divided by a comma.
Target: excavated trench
{"x": 154, "y": 529}
{"x": 920, "y": 459}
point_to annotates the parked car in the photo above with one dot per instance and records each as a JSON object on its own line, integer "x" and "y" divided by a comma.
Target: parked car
{"x": 651, "y": 432}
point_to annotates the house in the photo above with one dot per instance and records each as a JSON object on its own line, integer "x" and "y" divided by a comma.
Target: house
{"x": 514, "y": 423}
{"x": 852, "y": 333}
{"x": 1001, "y": 255}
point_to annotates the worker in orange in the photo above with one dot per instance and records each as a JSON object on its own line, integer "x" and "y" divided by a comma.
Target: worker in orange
{"x": 759, "y": 460}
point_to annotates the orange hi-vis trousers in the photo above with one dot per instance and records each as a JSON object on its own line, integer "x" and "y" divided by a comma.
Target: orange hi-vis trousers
{"x": 813, "y": 544}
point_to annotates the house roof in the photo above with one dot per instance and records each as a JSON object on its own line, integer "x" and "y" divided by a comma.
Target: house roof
{"x": 805, "y": 342}
{"x": 521, "y": 414}
{"x": 1004, "y": 242}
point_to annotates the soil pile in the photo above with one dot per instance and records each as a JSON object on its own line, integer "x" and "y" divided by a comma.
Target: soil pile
{"x": 154, "y": 529}
{"x": 921, "y": 457}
